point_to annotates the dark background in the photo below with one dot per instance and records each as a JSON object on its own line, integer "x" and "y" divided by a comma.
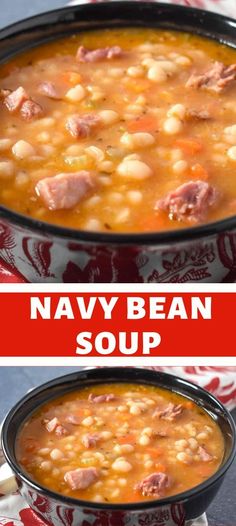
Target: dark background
{"x": 16, "y": 381}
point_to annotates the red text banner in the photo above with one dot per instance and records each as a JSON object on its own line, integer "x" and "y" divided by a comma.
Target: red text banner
{"x": 89, "y": 324}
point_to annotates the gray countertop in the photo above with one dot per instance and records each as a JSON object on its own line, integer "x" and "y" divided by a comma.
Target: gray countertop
{"x": 16, "y": 381}
{"x": 13, "y": 10}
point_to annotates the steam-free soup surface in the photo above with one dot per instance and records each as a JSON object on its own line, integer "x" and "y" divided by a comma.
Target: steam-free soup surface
{"x": 120, "y": 443}
{"x": 123, "y": 130}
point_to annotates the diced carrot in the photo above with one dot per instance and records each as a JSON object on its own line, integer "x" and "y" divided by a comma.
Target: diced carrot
{"x": 137, "y": 85}
{"x": 134, "y": 496}
{"x": 155, "y": 452}
{"x": 32, "y": 446}
{"x": 166, "y": 96}
{"x": 189, "y": 405}
{"x": 127, "y": 439}
{"x": 232, "y": 206}
{"x": 146, "y": 123}
{"x": 154, "y": 223}
{"x": 83, "y": 412}
{"x": 160, "y": 467}
{"x": 71, "y": 77}
{"x": 189, "y": 146}
{"x": 204, "y": 470}
{"x": 199, "y": 172}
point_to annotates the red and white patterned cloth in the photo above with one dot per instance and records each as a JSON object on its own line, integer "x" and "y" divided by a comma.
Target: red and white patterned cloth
{"x": 14, "y": 513}
{"x": 220, "y": 381}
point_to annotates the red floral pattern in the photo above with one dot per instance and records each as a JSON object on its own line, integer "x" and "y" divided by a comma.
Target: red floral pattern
{"x": 38, "y": 254}
{"x": 53, "y": 260}
{"x": 25, "y": 516}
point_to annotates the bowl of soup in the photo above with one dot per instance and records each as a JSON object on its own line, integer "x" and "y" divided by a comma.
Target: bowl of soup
{"x": 114, "y": 445}
{"x": 118, "y": 145}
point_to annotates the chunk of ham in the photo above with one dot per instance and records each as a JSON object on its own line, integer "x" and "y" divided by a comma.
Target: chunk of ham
{"x": 65, "y": 190}
{"x": 19, "y": 100}
{"x": 54, "y": 425}
{"x": 90, "y": 440}
{"x": 61, "y": 431}
{"x": 95, "y": 55}
{"x": 216, "y": 78}
{"x": 31, "y": 110}
{"x": 100, "y": 399}
{"x": 49, "y": 90}
{"x": 81, "y": 126}
{"x": 73, "y": 419}
{"x": 15, "y": 99}
{"x": 81, "y": 478}
{"x": 154, "y": 485}
{"x": 170, "y": 413}
{"x": 204, "y": 455}
{"x": 189, "y": 202}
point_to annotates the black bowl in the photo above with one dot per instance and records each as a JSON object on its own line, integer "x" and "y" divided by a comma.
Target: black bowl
{"x": 59, "y": 510}
{"x": 38, "y": 251}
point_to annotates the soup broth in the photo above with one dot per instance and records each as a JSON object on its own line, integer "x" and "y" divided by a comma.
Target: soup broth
{"x": 120, "y": 443}
{"x": 122, "y": 130}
